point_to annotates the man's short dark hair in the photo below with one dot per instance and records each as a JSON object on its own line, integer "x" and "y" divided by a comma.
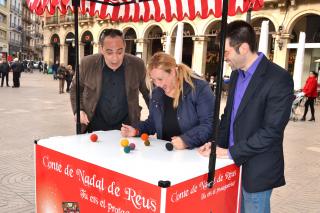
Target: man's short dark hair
{"x": 239, "y": 32}
{"x": 110, "y": 33}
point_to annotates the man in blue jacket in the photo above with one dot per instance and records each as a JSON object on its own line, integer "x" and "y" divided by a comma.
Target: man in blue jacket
{"x": 256, "y": 114}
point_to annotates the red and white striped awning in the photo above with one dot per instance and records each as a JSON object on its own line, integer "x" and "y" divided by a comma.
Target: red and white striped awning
{"x": 145, "y": 10}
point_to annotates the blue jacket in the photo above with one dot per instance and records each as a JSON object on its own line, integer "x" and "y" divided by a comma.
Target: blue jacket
{"x": 194, "y": 114}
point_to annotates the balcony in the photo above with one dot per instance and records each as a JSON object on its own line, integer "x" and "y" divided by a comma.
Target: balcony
{"x": 15, "y": 27}
{"x": 15, "y": 9}
{"x": 26, "y": 18}
{"x": 14, "y": 42}
{"x": 66, "y": 19}
{"x": 52, "y": 20}
{"x": 85, "y": 18}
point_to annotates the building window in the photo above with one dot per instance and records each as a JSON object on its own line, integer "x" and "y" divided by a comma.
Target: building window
{"x": 2, "y": 18}
{"x": 3, "y": 35}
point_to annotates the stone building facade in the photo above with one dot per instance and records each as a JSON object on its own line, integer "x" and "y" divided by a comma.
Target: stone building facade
{"x": 200, "y": 46}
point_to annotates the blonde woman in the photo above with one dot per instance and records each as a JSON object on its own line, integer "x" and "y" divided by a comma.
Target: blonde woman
{"x": 69, "y": 76}
{"x": 181, "y": 105}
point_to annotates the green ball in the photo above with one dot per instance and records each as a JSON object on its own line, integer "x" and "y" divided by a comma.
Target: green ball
{"x": 147, "y": 143}
{"x": 126, "y": 149}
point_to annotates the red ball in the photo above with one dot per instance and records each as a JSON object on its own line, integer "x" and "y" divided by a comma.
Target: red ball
{"x": 144, "y": 136}
{"x": 93, "y": 137}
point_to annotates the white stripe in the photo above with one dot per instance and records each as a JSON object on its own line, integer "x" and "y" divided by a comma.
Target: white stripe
{"x": 163, "y": 199}
{"x": 121, "y": 11}
{"x": 173, "y": 7}
{"x": 162, "y": 8}
{"x": 98, "y": 8}
{"x": 239, "y": 3}
{"x": 87, "y": 3}
{"x": 133, "y": 9}
{"x": 152, "y": 10}
{"x": 141, "y": 7}
{"x": 212, "y": 5}
{"x": 198, "y": 8}
{"x": 109, "y": 10}
{"x": 185, "y": 7}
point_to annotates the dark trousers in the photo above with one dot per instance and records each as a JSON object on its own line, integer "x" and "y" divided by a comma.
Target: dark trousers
{"x": 309, "y": 102}
{"x": 16, "y": 79}
{"x": 68, "y": 85}
{"x": 5, "y": 75}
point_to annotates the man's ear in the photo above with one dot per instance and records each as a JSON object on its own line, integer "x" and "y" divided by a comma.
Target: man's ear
{"x": 244, "y": 48}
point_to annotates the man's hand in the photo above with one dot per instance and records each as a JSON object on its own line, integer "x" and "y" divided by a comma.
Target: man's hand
{"x": 222, "y": 153}
{"x": 83, "y": 118}
{"x": 205, "y": 149}
{"x": 178, "y": 143}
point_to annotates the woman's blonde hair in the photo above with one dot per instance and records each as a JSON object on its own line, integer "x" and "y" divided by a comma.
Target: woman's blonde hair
{"x": 168, "y": 64}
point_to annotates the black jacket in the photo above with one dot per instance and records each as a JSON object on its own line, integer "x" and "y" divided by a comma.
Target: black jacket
{"x": 259, "y": 126}
{"x": 4, "y": 67}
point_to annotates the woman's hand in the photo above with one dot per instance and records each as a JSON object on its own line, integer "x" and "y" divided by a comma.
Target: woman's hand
{"x": 128, "y": 131}
{"x": 178, "y": 143}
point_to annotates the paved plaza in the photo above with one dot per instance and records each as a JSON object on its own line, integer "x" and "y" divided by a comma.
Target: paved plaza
{"x": 36, "y": 111}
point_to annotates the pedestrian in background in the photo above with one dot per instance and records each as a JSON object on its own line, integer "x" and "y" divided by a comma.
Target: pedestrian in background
{"x": 17, "y": 68}
{"x": 61, "y": 75}
{"x": 54, "y": 68}
{"x": 310, "y": 91}
{"x": 5, "y": 69}
{"x": 69, "y": 76}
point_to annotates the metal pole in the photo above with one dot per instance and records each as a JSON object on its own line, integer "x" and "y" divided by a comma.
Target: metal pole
{"x": 76, "y": 4}
{"x": 212, "y": 158}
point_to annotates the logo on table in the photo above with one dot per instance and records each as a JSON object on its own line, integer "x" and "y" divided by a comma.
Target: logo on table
{"x": 70, "y": 207}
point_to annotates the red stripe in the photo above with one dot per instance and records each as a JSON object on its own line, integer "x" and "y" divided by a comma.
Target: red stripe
{"x": 102, "y": 12}
{"x": 168, "y": 15}
{"x": 192, "y": 14}
{"x": 204, "y": 11}
{"x": 126, "y": 16}
{"x": 218, "y": 8}
{"x": 35, "y": 4}
{"x": 179, "y": 10}
{"x": 136, "y": 12}
{"x": 115, "y": 13}
{"x": 157, "y": 11}
{"x": 232, "y": 8}
{"x": 146, "y": 11}
{"x": 258, "y": 4}
{"x": 92, "y": 8}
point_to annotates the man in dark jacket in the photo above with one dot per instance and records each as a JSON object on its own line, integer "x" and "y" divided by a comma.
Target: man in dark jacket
{"x": 109, "y": 86}
{"x": 5, "y": 68}
{"x": 17, "y": 68}
{"x": 256, "y": 114}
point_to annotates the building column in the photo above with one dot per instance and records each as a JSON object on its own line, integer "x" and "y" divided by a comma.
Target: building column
{"x": 48, "y": 54}
{"x": 281, "y": 52}
{"x": 64, "y": 54}
{"x": 81, "y": 51}
{"x": 96, "y": 48}
{"x": 142, "y": 49}
{"x": 199, "y": 54}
